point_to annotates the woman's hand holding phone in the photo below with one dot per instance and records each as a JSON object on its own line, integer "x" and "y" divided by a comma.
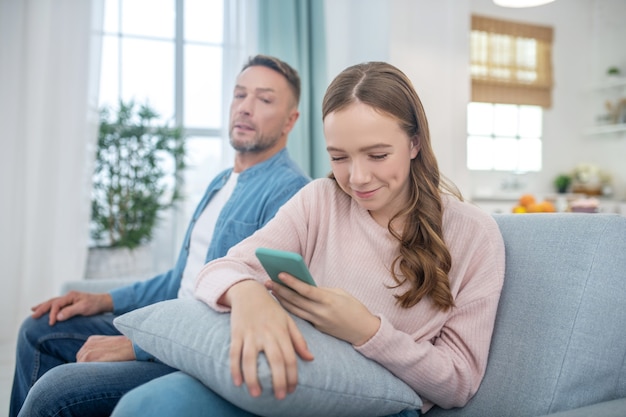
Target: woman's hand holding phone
{"x": 330, "y": 310}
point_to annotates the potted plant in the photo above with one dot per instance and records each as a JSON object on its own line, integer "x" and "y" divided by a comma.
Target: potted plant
{"x": 613, "y": 71}
{"x": 131, "y": 185}
{"x": 562, "y": 183}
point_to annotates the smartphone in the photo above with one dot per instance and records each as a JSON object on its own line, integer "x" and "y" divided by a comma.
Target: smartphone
{"x": 276, "y": 261}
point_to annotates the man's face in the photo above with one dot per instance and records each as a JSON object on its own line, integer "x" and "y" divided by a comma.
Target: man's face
{"x": 262, "y": 111}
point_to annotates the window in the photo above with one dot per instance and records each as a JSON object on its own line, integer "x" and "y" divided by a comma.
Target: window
{"x": 504, "y": 137}
{"x": 511, "y": 84}
{"x": 170, "y": 55}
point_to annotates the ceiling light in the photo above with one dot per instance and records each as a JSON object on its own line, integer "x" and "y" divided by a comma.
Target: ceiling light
{"x": 521, "y": 3}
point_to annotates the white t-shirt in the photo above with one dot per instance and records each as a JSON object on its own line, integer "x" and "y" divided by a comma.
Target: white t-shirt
{"x": 201, "y": 236}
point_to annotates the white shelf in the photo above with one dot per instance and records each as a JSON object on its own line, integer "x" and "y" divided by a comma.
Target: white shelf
{"x": 609, "y": 84}
{"x": 618, "y": 86}
{"x": 607, "y": 129}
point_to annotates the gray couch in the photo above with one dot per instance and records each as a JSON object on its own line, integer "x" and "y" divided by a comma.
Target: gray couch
{"x": 559, "y": 345}
{"x": 560, "y": 337}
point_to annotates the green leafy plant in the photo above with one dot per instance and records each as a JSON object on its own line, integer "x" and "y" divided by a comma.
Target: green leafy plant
{"x": 562, "y": 182}
{"x": 613, "y": 71}
{"x": 131, "y": 181}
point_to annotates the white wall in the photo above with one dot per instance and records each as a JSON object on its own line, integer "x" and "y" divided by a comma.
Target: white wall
{"x": 429, "y": 40}
{"x": 430, "y": 43}
{"x": 356, "y": 31}
{"x": 608, "y": 48}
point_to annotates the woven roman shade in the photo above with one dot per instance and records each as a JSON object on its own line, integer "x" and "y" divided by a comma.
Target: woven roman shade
{"x": 511, "y": 62}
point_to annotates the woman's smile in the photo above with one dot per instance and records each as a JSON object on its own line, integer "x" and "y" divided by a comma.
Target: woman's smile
{"x": 364, "y": 195}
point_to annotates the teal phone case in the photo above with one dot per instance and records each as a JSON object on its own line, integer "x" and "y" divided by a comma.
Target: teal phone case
{"x": 276, "y": 261}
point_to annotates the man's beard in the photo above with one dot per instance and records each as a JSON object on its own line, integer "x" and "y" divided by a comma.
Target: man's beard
{"x": 260, "y": 144}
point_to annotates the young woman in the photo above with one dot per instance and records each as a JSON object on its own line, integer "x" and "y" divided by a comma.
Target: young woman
{"x": 407, "y": 272}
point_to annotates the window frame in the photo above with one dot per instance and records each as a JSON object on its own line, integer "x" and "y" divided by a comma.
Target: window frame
{"x": 179, "y": 44}
{"x": 510, "y": 64}
{"x": 493, "y": 135}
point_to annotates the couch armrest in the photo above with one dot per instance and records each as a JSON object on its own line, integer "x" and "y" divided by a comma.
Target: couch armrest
{"x": 614, "y": 408}
{"x": 95, "y": 285}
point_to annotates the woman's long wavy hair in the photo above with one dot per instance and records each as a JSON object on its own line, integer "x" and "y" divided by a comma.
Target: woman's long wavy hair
{"x": 424, "y": 261}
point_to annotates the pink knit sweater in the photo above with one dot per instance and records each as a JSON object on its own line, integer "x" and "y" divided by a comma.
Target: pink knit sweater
{"x": 441, "y": 355}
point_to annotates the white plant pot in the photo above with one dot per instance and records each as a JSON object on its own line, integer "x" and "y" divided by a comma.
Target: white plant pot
{"x": 107, "y": 263}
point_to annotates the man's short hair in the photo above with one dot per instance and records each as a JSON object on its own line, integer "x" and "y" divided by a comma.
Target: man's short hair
{"x": 281, "y": 67}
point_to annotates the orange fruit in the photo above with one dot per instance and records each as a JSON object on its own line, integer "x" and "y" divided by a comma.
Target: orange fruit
{"x": 547, "y": 207}
{"x": 534, "y": 208}
{"x": 526, "y": 200}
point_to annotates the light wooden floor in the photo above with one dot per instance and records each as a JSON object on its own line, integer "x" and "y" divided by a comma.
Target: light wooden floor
{"x": 7, "y": 363}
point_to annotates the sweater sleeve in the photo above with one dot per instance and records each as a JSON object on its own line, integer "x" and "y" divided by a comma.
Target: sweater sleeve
{"x": 286, "y": 231}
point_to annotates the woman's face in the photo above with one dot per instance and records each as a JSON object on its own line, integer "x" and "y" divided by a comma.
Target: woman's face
{"x": 370, "y": 156}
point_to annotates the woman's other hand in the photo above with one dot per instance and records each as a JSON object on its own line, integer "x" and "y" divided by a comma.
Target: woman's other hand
{"x": 260, "y": 324}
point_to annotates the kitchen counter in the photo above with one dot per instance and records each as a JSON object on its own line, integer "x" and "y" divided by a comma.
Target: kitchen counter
{"x": 505, "y": 203}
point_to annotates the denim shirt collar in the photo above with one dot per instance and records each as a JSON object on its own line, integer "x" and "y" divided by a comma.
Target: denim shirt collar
{"x": 281, "y": 157}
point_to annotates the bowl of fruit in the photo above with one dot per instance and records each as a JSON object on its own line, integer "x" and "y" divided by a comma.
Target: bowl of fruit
{"x": 527, "y": 203}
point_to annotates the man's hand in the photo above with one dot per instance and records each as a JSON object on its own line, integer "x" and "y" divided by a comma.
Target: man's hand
{"x": 73, "y": 304}
{"x": 106, "y": 349}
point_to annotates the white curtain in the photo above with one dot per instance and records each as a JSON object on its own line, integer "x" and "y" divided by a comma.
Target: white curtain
{"x": 49, "y": 68}
{"x": 240, "y": 33}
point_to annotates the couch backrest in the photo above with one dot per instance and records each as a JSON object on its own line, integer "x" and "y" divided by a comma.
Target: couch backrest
{"x": 560, "y": 336}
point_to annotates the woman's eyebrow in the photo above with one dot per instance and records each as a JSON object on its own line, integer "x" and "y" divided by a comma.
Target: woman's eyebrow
{"x": 363, "y": 149}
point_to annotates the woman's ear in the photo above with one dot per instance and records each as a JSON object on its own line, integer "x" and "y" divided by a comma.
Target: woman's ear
{"x": 415, "y": 146}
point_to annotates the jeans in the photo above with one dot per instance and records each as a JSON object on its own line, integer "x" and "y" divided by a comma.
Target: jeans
{"x": 179, "y": 394}
{"x": 42, "y": 348}
{"x": 87, "y": 388}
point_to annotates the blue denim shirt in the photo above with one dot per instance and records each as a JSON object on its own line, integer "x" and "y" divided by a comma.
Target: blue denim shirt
{"x": 260, "y": 191}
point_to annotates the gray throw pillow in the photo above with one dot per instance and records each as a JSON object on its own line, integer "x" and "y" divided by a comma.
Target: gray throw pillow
{"x": 190, "y": 336}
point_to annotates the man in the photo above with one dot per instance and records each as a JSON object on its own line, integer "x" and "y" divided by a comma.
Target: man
{"x": 78, "y": 327}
